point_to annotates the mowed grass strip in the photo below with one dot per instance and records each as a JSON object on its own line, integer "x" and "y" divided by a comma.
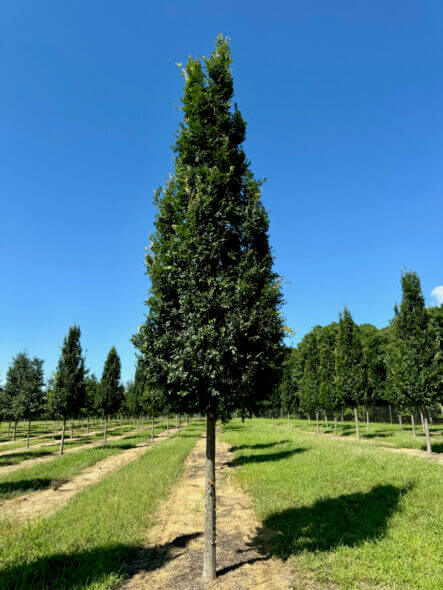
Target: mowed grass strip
{"x": 63, "y": 468}
{"x": 346, "y": 514}
{"x": 383, "y": 434}
{"x": 87, "y": 543}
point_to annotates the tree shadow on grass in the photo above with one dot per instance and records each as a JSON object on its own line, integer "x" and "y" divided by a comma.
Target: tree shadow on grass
{"x": 24, "y": 485}
{"x": 436, "y": 447}
{"x": 260, "y": 445}
{"x": 348, "y": 520}
{"x": 84, "y": 568}
{"x": 14, "y": 458}
{"x": 264, "y": 458}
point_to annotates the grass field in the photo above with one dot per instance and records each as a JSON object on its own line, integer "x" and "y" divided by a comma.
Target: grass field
{"x": 86, "y": 544}
{"x": 382, "y": 433}
{"x": 46, "y": 474}
{"x": 346, "y": 515}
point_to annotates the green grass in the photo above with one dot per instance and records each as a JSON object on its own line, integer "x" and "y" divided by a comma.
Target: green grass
{"x": 383, "y": 434}
{"x": 65, "y": 467}
{"x": 349, "y": 514}
{"x": 87, "y": 544}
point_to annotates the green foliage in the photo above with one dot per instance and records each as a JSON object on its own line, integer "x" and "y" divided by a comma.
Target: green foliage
{"x": 411, "y": 352}
{"x": 92, "y": 394}
{"x": 23, "y": 393}
{"x": 374, "y": 343}
{"x": 110, "y": 392}
{"x": 213, "y": 331}
{"x": 69, "y": 389}
{"x": 310, "y": 377}
{"x": 350, "y": 374}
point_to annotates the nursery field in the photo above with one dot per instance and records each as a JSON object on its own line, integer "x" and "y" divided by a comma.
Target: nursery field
{"x": 296, "y": 509}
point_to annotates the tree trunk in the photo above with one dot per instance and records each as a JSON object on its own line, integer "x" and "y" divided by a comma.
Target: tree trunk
{"x": 14, "y": 435}
{"x": 105, "y": 430}
{"x": 9, "y": 427}
{"x": 167, "y": 423}
{"x": 335, "y": 424}
{"x": 400, "y": 421}
{"x": 422, "y": 421}
{"x": 426, "y": 425}
{"x": 28, "y": 433}
{"x": 342, "y": 416}
{"x": 53, "y": 433}
{"x": 316, "y": 419}
{"x": 87, "y": 425}
{"x": 326, "y": 418}
{"x": 272, "y": 418}
{"x": 413, "y": 425}
{"x": 309, "y": 420}
{"x": 357, "y": 431}
{"x": 152, "y": 428}
{"x": 209, "y": 571}
{"x": 288, "y": 418}
{"x": 367, "y": 421}
{"x": 72, "y": 428}
{"x": 390, "y": 413}
{"x": 176, "y": 420}
{"x": 62, "y": 439}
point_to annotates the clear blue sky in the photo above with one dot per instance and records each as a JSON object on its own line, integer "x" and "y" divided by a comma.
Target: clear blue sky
{"x": 344, "y": 107}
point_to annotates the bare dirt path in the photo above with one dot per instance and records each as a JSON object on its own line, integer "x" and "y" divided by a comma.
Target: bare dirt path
{"x": 437, "y": 457}
{"x": 173, "y": 554}
{"x": 50, "y": 457}
{"x": 44, "y": 502}
{"x": 52, "y": 443}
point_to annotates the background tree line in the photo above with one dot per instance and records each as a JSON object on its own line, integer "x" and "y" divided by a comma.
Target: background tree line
{"x": 344, "y": 366}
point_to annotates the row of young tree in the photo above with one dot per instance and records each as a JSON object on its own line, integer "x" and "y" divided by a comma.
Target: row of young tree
{"x": 70, "y": 393}
{"x": 344, "y": 365}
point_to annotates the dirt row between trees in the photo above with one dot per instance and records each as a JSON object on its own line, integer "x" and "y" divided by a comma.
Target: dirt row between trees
{"x": 173, "y": 554}
{"x": 436, "y": 457}
{"x": 43, "y": 502}
{"x": 31, "y": 462}
{"x": 55, "y": 442}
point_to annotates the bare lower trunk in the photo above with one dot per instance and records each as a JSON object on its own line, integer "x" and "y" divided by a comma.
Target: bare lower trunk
{"x": 367, "y": 421}
{"x": 9, "y": 428}
{"x": 62, "y": 439}
{"x": 72, "y": 429}
{"x": 209, "y": 571}
{"x": 335, "y": 424}
{"x": 152, "y": 429}
{"x": 427, "y": 433}
{"x": 357, "y": 431}
{"x": 309, "y": 419}
{"x": 326, "y": 418}
{"x": 28, "y": 433}
{"x": 400, "y": 421}
{"x": 413, "y": 425}
{"x": 422, "y": 420}
{"x": 272, "y": 418}
{"x": 390, "y": 413}
{"x": 14, "y": 435}
{"x": 87, "y": 425}
{"x": 53, "y": 433}
{"x": 342, "y": 416}
{"x": 105, "y": 432}
{"x": 167, "y": 423}
{"x": 288, "y": 418}
{"x": 316, "y": 419}
{"x": 176, "y": 420}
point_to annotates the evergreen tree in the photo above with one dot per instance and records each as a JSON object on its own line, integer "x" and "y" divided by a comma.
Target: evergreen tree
{"x": 110, "y": 392}
{"x": 411, "y": 354}
{"x": 213, "y": 329}
{"x": 350, "y": 374}
{"x": 24, "y": 389}
{"x": 92, "y": 397}
{"x": 69, "y": 390}
{"x": 374, "y": 343}
{"x": 328, "y": 398}
{"x": 310, "y": 380}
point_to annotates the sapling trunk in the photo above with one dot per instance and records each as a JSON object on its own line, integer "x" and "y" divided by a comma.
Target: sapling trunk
{"x": 167, "y": 423}
{"x": 9, "y": 428}
{"x": 176, "y": 420}
{"x": 390, "y": 413}
{"x": 413, "y": 425}
{"x": 335, "y": 424}
{"x": 326, "y": 418}
{"x": 62, "y": 439}
{"x": 316, "y": 419}
{"x": 309, "y": 420}
{"x": 342, "y": 416}
{"x": 14, "y": 435}
{"x": 288, "y": 418}
{"x": 72, "y": 428}
{"x": 152, "y": 428}
{"x": 209, "y": 571}
{"x": 357, "y": 431}
{"x": 28, "y": 433}
{"x": 400, "y": 421}
{"x": 53, "y": 433}
{"x": 87, "y": 425}
{"x": 422, "y": 420}
{"x": 367, "y": 421}
{"x": 105, "y": 430}
{"x": 427, "y": 433}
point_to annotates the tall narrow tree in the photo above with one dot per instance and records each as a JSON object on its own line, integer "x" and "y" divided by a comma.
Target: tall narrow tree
{"x": 213, "y": 329}
{"x": 110, "y": 392}
{"x": 411, "y": 353}
{"x": 69, "y": 389}
{"x": 350, "y": 374}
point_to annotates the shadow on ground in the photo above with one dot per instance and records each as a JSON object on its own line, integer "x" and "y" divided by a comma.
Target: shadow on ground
{"x": 82, "y": 569}
{"x": 260, "y": 445}
{"x": 348, "y": 520}
{"x": 264, "y": 458}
